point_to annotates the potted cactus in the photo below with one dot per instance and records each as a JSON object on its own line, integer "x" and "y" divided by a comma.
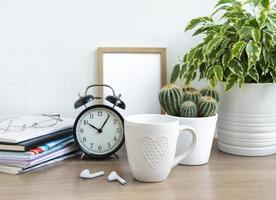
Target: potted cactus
{"x": 238, "y": 52}
{"x": 195, "y": 108}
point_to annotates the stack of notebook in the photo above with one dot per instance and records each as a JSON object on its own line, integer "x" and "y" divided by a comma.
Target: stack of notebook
{"x": 35, "y": 147}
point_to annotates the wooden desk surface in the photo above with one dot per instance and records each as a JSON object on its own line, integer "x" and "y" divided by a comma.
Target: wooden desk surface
{"x": 225, "y": 177}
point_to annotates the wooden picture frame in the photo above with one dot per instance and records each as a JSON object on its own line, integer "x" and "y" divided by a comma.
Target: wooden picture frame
{"x": 160, "y": 52}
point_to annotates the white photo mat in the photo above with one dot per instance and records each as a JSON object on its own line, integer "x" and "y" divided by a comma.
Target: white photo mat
{"x": 136, "y": 73}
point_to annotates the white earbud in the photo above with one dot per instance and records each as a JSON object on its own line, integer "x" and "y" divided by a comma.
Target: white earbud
{"x": 113, "y": 176}
{"x": 86, "y": 174}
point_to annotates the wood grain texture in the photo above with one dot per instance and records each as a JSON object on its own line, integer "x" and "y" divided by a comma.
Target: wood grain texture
{"x": 225, "y": 177}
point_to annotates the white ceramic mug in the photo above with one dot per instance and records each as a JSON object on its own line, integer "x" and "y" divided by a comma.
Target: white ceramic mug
{"x": 151, "y": 144}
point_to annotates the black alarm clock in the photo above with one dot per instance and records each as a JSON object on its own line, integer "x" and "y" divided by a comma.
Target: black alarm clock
{"x": 99, "y": 129}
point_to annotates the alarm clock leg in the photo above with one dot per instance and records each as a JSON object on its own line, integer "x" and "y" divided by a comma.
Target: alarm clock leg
{"x": 82, "y": 155}
{"x": 116, "y": 156}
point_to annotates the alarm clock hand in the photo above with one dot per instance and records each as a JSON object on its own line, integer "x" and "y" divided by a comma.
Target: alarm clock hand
{"x": 101, "y": 129}
{"x": 94, "y": 127}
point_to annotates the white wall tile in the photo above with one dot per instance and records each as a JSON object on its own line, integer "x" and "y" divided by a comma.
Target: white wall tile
{"x": 10, "y": 11}
{"x": 48, "y": 48}
{"x": 12, "y": 99}
{"x": 12, "y": 70}
{"x": 10, "y": 40}
{"x": 40, "y": 99}
{"x": 130, "y": 13}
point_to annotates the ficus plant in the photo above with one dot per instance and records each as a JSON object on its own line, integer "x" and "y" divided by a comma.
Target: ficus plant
{"x": 238, "y": 48}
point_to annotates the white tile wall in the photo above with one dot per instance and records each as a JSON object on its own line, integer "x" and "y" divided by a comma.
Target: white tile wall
{"x": 47, "y": 48}
{"x": 10, "y": 11}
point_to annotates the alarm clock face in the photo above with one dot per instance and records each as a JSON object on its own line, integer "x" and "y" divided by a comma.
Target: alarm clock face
{"x": 99, "y": 131}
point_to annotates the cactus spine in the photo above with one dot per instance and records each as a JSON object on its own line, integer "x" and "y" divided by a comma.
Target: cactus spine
{"x": 207, "y": 106}
{"x": 210, "y": 92}
{"x": 193, "y": 96}
{"x": 170, "y": 98}
{"x": 188, "y": 109}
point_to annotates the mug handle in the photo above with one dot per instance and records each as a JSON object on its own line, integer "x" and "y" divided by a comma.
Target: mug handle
{"x": 192, "y": 131}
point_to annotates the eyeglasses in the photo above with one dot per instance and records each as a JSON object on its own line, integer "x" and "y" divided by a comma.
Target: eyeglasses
{"x": 33, "y": 121}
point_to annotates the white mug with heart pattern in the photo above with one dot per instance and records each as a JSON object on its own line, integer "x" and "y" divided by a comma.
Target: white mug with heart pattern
{"x": 151, "y": 144}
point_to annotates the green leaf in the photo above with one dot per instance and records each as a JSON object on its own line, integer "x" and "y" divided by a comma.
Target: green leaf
{"x": 210, "y": 72}
{"x": 190, "y": 55}
{"x": 267, "y": 41}
{"x": 261, "y": 19}
{"x": 240, "y": 81}
{"x": 191, "y": 76}
{"x": 220, "y": 53}
{"x": 225, "y": 28}
{"x": 256, "y": 35}
{"x": 224, "y": 7}
{"x": 198, "y": 53}
{"x": 202, "y": 70}
{"x": 175, "y": 73}
{"x": 273, "y": 15}
{"x": 273, "y": 76}
{"x": 265, "y": 55}
{"x": 231, "y": 80}
{"x": 273, "y": 59}
{"x": 272, "y": 21}
{"x": 265, "y": 4}
{"x": 214, "y": 43}
{"x": 274, "y": 39}
{"x": 199, "y": 31}
{"x": 226, "y": 59}
{"x": 253, "y": 73}
{"x": 184, "y": 68}
{"x": 236, "y": 67}
{"x": 220, "y": 2}
{"x": 219, "y": 72}
{"x": 225, "y": 43}
{"x": 240, "y": 22}
{"x": 274, "y": 8}
{"x": 234, "y": 15}
{"x": 194, "y": 22}
{"x": 238, "y": 49}
{"x": 194, "y": 76}
{"x": 185, "y": 57}
{"x": 253, "y": 22}
{"x": 245, "y": 31}
{"x": 253, "y": 53}
{"x": 255, "y": 2}
{"x": 213, "y": 81}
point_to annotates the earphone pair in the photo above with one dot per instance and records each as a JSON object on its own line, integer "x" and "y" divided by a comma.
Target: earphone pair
{"x": 113, "y": 176}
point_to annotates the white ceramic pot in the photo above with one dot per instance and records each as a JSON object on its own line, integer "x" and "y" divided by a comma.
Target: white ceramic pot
{"x": 247, "y": 120}
{"x": 205, "y": 128}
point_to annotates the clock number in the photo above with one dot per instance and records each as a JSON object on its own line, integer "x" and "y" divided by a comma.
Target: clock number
{"x": 115, "y": 139}
{"x": 115, "y": 121}
{"x": 91, "y": 145}
{"x": 117, "y": 130}
{"x": 81, "y": 130}
{"x": 84, "y": 139}
{"x": 108, "y": 145}
{"x": 100, "y": 113}
{"x": 85, "y": 122}
{"x": 100, "y": 148}
{"x": 91, "y": 115}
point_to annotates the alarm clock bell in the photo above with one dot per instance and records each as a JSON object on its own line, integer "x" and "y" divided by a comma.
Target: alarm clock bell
{"x": 113, "y": 99}
{"x": 83, "y": 100}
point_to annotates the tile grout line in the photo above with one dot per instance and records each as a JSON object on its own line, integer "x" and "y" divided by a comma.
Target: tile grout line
{"x": 21, "y": 22}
